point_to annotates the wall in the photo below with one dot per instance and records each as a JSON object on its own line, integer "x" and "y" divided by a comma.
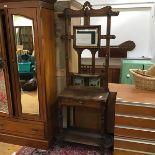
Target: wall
{"x": 135, "y": 22}
{"x": 60, "y": 46}
{"x": 113, "y": 2}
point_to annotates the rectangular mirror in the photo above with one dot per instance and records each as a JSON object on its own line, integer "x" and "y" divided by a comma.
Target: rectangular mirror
{"x": 86, "y": 36}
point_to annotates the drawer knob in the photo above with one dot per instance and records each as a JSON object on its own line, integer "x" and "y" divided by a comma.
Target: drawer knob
{"x": 128, "y": 75}
{"x": 34, "y": 130}
{"x": 1, "y": 125}
{"x": 80, "y": 102}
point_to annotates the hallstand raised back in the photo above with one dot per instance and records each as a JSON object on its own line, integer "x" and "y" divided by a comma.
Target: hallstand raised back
{"x": 87, "y": 12}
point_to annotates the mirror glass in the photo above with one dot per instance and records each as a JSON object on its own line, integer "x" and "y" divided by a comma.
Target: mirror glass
{"x": 86, "y": 36}
{"x": 26, "y": 62}
{"x": 3, "y": 95}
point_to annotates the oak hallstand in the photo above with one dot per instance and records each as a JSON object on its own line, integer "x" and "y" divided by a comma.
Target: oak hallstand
{"x": 85, "y": 95}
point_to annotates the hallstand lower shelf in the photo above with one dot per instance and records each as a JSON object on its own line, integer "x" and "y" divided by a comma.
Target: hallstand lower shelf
{"x": 79, "y": 136}
{"x": 88, "y": 138}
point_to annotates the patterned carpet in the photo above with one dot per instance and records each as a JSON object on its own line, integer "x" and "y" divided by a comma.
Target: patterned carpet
{"x": 3, "y": 97}
{"x": 67, "y": 149}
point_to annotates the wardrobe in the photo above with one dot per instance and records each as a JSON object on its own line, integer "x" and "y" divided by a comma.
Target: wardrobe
{"x": 28, "y": 91}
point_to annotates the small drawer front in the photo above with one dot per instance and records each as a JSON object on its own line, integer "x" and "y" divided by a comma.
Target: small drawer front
{"x": 23, "y": 128}
{"x": 134, "y": 132}
{"x": 133, "y": 121}
{"x": 132, "y": 109}
{"x": 80, "y": 103}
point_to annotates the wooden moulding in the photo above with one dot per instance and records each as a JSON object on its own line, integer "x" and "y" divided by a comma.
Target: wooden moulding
{"x": 119, "y": 51}
{"x": 49, "y": 4}
{"x": 87, "y": 10}
{"x": 131, "y": 144}
{"x": 20, "y": 140}
{"x": 48, "y": 1}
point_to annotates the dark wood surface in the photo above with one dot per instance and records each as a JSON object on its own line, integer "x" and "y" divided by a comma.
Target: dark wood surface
{"x": 5, "y": 67}
{"x": 119, "y": 51}
{"x": 95, "y": 99}
{"x": 82, "y": 97}
{"x": 133, "y": 146}
{"x": 113, "y": 72}
{"x": 115, "y": 52}
{"x": 92, "y": 121}
{"x": 86, "y": 12}
{"x": 85, "y": 93}
{"x": 26, "y": 4}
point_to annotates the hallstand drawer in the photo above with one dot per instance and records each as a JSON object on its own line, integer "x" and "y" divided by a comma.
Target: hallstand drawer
{"x": 83, "y": 103}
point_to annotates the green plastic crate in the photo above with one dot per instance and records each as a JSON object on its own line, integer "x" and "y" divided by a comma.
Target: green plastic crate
{"x": 24, "y": 67}
{"x": 126, "y": 64}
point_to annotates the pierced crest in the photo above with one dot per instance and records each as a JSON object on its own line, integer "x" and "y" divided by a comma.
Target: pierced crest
{"x": 87, "y": 6}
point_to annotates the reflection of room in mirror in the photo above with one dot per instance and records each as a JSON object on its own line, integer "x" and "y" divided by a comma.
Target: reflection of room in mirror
{"x": 26, "y": 62}
{"x": 3, "y": 95}
{"x": 87, "y": 37}
{"x": 23, "y": 28}
{"x": 29, "y": 100}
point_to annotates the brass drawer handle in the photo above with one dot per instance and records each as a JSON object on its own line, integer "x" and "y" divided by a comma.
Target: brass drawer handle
{"x": 35, "y": 130}
{"x": 1, "y": 125}
{"x": 80, "y": 102}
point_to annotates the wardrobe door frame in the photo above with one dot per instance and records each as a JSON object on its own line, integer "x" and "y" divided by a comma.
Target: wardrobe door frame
{"x": 30, "y": 13}
{"x": 5, "y": 63}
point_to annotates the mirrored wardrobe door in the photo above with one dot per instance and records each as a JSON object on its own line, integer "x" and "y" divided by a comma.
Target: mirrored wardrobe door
{"x": 26, "y": 63}
{"x": 5, "y": 93}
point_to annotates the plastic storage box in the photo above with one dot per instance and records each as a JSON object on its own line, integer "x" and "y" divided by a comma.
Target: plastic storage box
{"x": 24, "y": 67}
{"x": 126, "y": 64}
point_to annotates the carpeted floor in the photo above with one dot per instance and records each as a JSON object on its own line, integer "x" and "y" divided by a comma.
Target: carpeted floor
{"x": 67, "y": 149}
{"x": 3, "y": 97}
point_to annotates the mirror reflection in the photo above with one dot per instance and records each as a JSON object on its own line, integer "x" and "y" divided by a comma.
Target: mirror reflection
{"x": 86, "y": 36}
{"x": 3, "y": 95}
{"x": 26, "y": 62}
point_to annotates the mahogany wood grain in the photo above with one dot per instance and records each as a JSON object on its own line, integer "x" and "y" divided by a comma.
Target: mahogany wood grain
{"x": 81, "y": 103}
{"x": 24, "y": 141}
{"x": 134, "y": 144}
{"x": 135, "y": 132}
{"x": 137, "y": 109}
{"x": 132, "y": 121}
{"x": 48, "y": 65}
{"x": 119, "y": 51}
{"x": 26, "y": 4}
{"x": 5, "y": 67}
{"x": 27, "y": 129}
{"x": 22, "y": 128}
{"x": 84, "y": 97}
{"x": 92, "y": 121}
{"x": 128, "y": 152}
